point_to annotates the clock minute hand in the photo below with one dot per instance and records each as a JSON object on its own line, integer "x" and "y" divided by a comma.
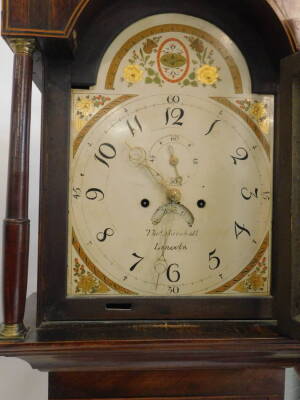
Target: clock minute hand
{"x": 137, "y": 155}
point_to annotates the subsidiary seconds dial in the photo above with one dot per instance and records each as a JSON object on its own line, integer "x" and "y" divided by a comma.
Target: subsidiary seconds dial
{"x": 171, "y": 195}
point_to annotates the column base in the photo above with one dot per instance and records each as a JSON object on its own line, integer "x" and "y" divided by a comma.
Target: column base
{"x": 13, "y": 332}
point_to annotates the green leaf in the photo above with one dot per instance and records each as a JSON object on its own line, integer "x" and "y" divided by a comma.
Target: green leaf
{"x": 192, "y": 75}
{"x": 156, "y": 80}
{"x": 150, "y": 71}
{"x": 186, "y": 82}
{"x": 142, "y": 54}
{"x": 148, "y": 80}
{"x": 194, "y": 84}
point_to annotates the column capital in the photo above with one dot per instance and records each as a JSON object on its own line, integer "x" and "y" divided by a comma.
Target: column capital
{"x": 23, "y": 46}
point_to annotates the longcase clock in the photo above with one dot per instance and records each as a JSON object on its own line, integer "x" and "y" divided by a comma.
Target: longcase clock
{"x": 169, "y": 199}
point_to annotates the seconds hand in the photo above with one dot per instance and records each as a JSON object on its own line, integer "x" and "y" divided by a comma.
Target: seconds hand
{"x": 174, "y": 160}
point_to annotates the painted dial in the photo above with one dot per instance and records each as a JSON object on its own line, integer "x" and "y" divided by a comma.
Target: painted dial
{"x": 173, "y": 195}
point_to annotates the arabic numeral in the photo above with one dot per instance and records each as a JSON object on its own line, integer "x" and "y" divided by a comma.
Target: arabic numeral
{"x": 94, "y": 194}
{"x": 135, "y": 265}
{"x": 247, "y": 194}
{"x": 240, "y": 154}
{"x": 212, "y": 127}
{"x": 173, "y": 274}
{"x": 173, "y": 99}
{"x": 174, "y": 114}
{"x": 214, "y": 261}
{"x": 239, "y": 229}
{"x": 134, "y": 126}
{"x": 76, "y": 192}
{"x": 101, "y": 236}
{"x": 106, "y": 151}
{"x": 173, "y": 289}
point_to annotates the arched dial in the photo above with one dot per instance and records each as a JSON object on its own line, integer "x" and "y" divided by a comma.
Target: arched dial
{"x": 173, "y": 195}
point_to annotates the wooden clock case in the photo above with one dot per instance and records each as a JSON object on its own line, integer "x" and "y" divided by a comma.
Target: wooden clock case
{"x": 200, "y": 348}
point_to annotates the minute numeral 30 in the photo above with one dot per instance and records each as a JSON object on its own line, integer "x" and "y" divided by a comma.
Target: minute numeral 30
{"x": 106, "y": 152}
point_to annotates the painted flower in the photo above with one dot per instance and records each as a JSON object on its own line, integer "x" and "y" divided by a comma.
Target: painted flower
{"x": 85, "y": 105}
{"x": 149, "y": 46}
{"x": 86, "y": 283}
{"x": 257, "y": 281}
{"x": 133, "y": 73}
{"x": 173, "y": 60}
{"x": 207, "y": 74}
{"x": 264, "y": 125}
{"x": 197, "y": 45}
{"x": 257, "y": 110}
{"x": 79, "y": 123}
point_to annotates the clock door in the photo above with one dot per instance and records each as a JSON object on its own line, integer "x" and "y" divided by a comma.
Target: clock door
{"x": 287, "y": 204}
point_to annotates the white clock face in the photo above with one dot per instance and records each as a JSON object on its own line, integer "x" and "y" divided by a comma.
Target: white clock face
{"x": 171, "y": 195}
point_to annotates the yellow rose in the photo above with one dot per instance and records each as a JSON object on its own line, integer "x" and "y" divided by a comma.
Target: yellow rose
{"x": 133, "y": 73}
{"x": 257, "y": 110}
{"x": 85, "y": 105}
{"x": 79, "y": 123}
{"x": 207, "y": 74}
{"x": 264, "y": 125}
{"x": 257, "y": 281}
{"x": 86, "y": 283}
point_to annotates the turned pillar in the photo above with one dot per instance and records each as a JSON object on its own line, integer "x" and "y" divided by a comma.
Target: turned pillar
{"x": 16, "y": 223}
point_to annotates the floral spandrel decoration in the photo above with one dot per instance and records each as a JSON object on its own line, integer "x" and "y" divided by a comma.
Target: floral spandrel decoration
{"x": 141, "y": 64}
{"x": 203, "y": 72}
{"x": 86, "y": 282}
{"x": 85, "y": 108}
{"x": 256, "y": 281}
{"x": 186, "y": 61}
{"x": 258, "y": 111}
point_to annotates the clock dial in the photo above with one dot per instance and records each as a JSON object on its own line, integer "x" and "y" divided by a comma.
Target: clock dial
{"x": 171, "y": 195}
